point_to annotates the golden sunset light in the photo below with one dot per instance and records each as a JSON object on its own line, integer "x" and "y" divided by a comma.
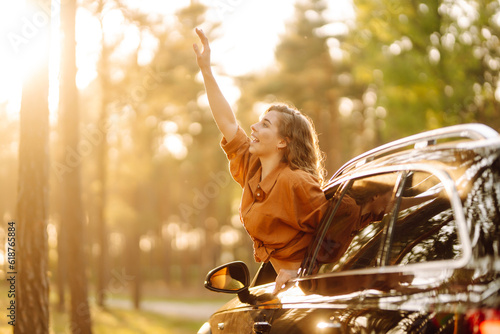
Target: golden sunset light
{"x": 154, "y": 153}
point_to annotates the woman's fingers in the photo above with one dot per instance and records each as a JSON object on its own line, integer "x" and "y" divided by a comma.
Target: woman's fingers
{"x": 284, "y": 276}
{"x": 201, "y": 35}
{"x": 203, "y": 39}
{"x": 196, "y": 49}
{"x": 202, "y": 54}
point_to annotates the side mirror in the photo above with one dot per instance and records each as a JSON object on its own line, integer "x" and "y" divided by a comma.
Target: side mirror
{"x": 233, "y": 277}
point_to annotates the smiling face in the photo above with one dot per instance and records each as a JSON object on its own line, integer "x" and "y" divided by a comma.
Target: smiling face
{"x": 265, "y": 136}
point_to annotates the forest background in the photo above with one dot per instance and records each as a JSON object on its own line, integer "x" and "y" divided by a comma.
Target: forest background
{"x": 113, "y": 172}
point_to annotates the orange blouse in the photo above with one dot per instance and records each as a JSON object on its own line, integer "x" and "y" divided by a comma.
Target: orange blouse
{"x": 281, "y": 212}
{"x": 346, "y": 223}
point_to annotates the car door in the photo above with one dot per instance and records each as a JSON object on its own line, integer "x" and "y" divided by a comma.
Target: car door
{"x": 368, "y": 275}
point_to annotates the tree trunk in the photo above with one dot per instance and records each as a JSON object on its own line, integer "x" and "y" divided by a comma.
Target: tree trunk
{"x": 100, "y": 198}
{"x": 32, "y": 284}
{"x": 72, "y": 208}
{"x": 62, "y": 265}
{"x": 133, "y": 264}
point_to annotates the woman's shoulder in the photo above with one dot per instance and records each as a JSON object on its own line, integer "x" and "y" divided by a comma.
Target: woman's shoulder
{"x": 302, "y": 187}
{"x": 298, "y": 174}
{"x": 298, "y": 178}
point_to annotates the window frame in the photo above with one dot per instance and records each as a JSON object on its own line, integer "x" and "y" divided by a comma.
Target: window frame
{"x": 343, "y": 183}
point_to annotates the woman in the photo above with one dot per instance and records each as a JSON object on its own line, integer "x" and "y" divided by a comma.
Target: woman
{"x": 279, "y": 168}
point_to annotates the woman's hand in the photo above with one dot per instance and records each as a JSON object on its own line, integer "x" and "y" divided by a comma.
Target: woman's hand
{"x": 202, "y": 56}
{"x": 221, "y": 110}
{"x": 284, "y": 276}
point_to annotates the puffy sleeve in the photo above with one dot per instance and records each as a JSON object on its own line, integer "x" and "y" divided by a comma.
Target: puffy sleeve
{"x": 238, "y": 155}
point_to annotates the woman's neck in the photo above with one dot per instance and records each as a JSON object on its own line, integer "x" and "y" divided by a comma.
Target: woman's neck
{"x": 268, "y": 165}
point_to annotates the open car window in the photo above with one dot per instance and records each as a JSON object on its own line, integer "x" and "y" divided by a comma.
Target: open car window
{"x": 395, "y": 218}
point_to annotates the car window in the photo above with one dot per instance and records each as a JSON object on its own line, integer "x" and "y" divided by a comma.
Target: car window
{"x": 353, "y": 238}
{"x": 425, "y": 228}
{"x": 389, "y": 219}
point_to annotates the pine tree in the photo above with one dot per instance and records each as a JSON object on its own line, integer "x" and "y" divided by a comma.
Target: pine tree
{"x": 30, "y": 227}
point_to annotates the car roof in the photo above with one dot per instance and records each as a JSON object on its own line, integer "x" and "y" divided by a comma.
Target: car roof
{"x": 433, "y": 147}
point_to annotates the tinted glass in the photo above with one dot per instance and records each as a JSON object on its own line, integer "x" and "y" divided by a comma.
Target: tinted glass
{"x": 364, "y": 232}
{"x": 425, "y": 229}
{"x": 231, "y": 277}
{"x": 354, "y": 237}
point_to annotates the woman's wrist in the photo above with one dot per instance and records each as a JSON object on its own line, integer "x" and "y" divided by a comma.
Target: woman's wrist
{"x": 206, "y": 70}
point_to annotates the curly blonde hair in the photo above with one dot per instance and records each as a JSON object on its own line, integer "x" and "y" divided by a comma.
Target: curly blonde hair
{"x": 302, "y": 150}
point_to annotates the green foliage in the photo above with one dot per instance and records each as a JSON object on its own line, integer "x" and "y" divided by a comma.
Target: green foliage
{"x": 304, "y": 76}
{"x": 434, "y": 58}
{"x": 406, "y": 66}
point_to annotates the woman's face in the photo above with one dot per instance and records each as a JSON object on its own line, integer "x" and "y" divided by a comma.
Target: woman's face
{"x": 381, "y": 202}
{"x": 265, "y": 138}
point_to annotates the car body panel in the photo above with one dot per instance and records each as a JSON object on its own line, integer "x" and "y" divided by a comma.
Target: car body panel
{"x": 369, "y": 310}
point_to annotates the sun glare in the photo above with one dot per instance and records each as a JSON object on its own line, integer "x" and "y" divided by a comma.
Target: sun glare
{"x": 173, "y": 144}
{"x": 20, "y": 42}
{"x": 19, "y": 27}
{"x": 88, "y": 36}
{"x": 10, "y": 65}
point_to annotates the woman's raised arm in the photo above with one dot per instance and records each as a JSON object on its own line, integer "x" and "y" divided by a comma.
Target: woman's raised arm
{"x": 221, "y": 110}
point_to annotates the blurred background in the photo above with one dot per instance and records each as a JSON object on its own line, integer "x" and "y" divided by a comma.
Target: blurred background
{"x": 135, "y": 200}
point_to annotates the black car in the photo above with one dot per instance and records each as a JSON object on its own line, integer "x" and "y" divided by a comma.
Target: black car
{"x": 429, "y": 262}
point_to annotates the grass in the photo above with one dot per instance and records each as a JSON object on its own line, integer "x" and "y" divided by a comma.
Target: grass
{"x": 120, "y": 321}
{"x": 114, "y": 320}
